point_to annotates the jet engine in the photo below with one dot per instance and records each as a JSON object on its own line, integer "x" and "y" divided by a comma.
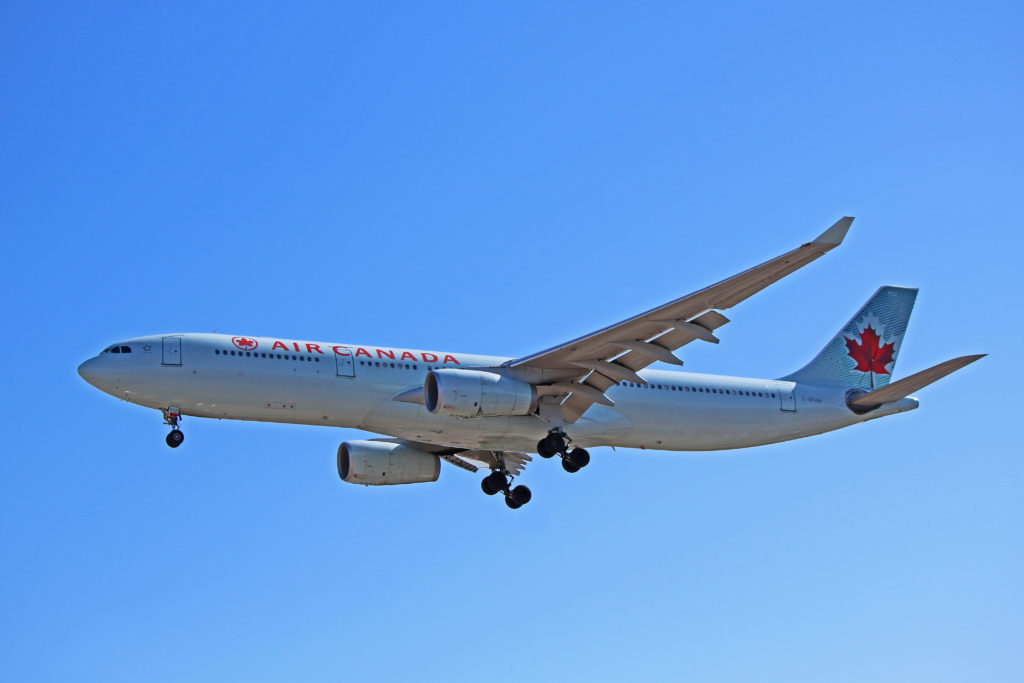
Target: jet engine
{"x": 476, "y": 393}
{"x": 379, "y": 463}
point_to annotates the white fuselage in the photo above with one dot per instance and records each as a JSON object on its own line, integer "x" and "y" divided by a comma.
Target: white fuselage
{"x": 272, "y": 380}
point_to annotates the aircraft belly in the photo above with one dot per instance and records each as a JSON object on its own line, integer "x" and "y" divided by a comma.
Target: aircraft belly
{"x": 598, "y": 426}
{"x": 291, "y": 397}
{"x": 697, "y": 425}
{"x": 412, "y": 421}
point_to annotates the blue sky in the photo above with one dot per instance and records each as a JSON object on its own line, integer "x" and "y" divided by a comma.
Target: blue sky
{"x": 497, "y": 180}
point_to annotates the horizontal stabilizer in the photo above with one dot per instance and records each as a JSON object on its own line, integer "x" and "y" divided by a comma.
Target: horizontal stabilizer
{"x": 908, "y": 385}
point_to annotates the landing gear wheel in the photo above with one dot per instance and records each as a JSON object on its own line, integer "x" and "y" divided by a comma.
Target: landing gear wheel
{"x": 569, "y": 467}
{"x": 552, "y": 444}
{"x": 521, "y": 495}
{"x": 500, "y": 480}
{"x": 493, "y": 482}
{"x": 579, "y": 457}
{"x": 175, "y": 438}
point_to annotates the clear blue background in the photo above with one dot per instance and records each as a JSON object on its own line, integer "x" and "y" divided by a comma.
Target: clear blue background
{"x": 496, "y": 180}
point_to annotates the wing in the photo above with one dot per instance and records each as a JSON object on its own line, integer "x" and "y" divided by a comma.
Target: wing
{"x": 578, "y": 372}
{"x": 515, "y": 463}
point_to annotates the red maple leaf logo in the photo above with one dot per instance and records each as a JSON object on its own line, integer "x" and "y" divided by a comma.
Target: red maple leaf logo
{"x": 244, "y": 343}
{"x": 870, "y": 357}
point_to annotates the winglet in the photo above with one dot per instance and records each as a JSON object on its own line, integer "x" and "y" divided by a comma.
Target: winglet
{"x": 835, "y": 234}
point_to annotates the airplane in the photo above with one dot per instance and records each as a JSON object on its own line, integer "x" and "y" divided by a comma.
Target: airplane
{"x": 492, "y": 412}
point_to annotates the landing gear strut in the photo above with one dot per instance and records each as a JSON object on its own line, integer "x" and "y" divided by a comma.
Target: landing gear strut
{"x": 557, "y": 443}
{"x": 172, "y": 417}
{"x": 500, "y": 480}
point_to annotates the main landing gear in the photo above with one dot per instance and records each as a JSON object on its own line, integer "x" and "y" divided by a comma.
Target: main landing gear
{"x": 557, "y": 443}
{"x": 172, "y": 417}
{"x": 500, "y": 480}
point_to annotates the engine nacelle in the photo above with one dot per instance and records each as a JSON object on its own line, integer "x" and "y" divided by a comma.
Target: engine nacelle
{"x": 380, "y": 463}
{"x": 476, "y": 393}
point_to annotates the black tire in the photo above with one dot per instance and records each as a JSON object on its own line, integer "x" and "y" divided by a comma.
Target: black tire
{"x": 580, "y": 457}
{"x": 512, "y": 503}
{"x": 543, "y": 450}
{"x": 569, "y": 466}
{"x": 492, "y": 483}
{"x": 521, "y": 495}
{"x": 175, "y": 438}
{"x": 553, "y": 443}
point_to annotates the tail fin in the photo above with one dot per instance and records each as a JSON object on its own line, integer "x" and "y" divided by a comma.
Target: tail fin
{"x": 863, "y": 353}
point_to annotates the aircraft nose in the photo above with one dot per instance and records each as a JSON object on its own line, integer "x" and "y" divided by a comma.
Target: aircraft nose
{"x": 89, "y": 372}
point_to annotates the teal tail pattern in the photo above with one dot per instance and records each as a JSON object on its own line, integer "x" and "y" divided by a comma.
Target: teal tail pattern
{"x": 863, "y": 353}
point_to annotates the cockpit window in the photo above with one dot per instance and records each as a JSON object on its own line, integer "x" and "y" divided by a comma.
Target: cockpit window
{"x": 117, "y": 348}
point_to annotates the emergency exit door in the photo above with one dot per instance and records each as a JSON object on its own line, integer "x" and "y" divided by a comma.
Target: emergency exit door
{"x": 172, "y": 351}
{"x": 343, "y": 358}
{"x": 787, "y": 399}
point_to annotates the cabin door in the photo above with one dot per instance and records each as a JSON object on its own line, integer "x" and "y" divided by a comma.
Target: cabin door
{"x": 343, "y": 359}
{"x": 172, "y": 351}
{"x": 787, "y": 399}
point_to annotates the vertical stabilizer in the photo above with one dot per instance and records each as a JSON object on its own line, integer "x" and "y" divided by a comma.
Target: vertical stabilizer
{"x": 864, "y": 352}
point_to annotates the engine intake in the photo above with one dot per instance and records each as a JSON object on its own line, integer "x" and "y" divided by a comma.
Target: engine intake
{"x": 380, "y": 463}
{"x": 477, "y": 393}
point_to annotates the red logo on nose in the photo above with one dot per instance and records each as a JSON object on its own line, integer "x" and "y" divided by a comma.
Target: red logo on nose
{"x": 245, "y": 343}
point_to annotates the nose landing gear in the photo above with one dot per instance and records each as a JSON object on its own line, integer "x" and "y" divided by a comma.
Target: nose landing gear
{"x": 500, "y": 480}
{"x": 557, "y": 443}
{"x": 172, "y": 417}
